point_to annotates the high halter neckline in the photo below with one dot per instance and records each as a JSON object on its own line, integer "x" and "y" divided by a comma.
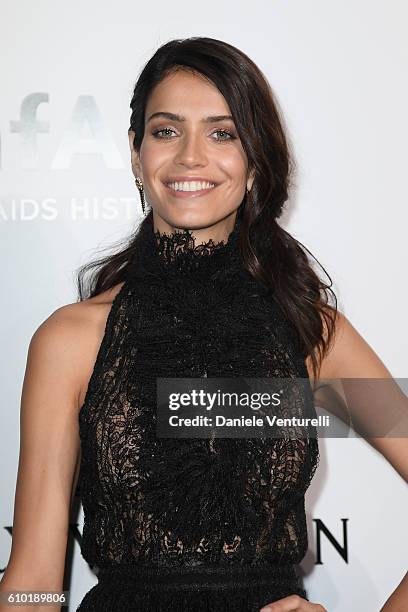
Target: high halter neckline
{"x": 176, "y": 254}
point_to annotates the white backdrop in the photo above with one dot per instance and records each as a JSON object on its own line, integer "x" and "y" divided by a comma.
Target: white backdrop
{"x": 339, "y": 71}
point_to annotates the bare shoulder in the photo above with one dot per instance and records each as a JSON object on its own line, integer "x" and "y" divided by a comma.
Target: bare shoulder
{"x": 349, "y": 354}
{"x": 73, "y": 334}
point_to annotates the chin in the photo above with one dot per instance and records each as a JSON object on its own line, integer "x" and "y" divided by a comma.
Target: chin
{"x": 192, "y": 220}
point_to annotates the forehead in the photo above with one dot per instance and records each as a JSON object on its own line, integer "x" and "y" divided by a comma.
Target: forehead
{"x": 186, "y": 94}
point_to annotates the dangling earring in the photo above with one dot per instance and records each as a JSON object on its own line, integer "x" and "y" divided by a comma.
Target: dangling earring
{"x": 139, "y": 185}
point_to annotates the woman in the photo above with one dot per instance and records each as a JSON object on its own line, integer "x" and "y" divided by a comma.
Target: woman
{"x": 209, "y": 286}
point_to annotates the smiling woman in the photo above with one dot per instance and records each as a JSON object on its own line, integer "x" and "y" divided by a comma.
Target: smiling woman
{"x": 213, "y": 287}
{"x": 209, "y": 285}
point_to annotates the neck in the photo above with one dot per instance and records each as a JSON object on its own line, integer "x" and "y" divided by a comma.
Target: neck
{"x": 177, "y": 255}
{"x": 211, "y": 235}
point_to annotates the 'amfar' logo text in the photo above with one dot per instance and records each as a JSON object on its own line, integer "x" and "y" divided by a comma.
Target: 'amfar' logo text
{"x": 84, "y": 133}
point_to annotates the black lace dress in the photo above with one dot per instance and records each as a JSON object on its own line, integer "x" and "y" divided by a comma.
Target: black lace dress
{"x": 189, "y": 524}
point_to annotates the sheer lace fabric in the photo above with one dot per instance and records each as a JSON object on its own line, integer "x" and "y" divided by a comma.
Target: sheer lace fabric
{"x": 189, "y": 311}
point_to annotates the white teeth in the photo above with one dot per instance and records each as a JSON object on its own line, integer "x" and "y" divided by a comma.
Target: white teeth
{"x": 190, "y": 186}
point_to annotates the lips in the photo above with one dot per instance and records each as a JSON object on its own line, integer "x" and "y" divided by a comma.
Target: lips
{"x": 189, "y": 194}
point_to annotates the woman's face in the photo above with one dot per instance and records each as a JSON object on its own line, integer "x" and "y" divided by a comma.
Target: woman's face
{"x": 192, "y": 163}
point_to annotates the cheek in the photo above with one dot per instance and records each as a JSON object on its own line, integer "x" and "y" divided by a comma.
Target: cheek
{"x": 151, "y": 160}
{"x": 235, "y": 167}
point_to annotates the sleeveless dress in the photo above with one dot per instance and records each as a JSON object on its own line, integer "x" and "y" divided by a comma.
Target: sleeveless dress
{"x": 189, "y": 524}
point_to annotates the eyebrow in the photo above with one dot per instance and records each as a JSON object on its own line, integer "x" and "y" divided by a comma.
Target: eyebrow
{"x": 173, "y": 117}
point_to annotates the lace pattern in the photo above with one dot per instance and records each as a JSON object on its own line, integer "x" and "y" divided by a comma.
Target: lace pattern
{"x": 189, "y": 311}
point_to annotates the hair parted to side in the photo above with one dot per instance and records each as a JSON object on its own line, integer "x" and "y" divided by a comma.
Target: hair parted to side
{"x": 269, "y": 252}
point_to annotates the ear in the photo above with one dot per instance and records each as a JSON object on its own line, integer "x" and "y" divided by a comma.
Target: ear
{"x": 134, "y": 156}
{"x": 250, "y": 180}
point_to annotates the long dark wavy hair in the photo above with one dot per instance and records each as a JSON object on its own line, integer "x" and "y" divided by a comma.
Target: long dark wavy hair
{"x": 269, "y": 252}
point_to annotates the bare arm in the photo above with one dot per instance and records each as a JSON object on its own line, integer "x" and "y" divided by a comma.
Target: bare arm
{"x": 352, "y": 357}
{"x": 49, "y": 456}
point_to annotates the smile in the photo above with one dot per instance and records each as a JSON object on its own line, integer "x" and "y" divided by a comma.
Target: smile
{"x": 191, "y": 186}
{"x": 190, "y": 189}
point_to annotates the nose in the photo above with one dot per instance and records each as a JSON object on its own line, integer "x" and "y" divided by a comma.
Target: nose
{"x": 191, "y": 152}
